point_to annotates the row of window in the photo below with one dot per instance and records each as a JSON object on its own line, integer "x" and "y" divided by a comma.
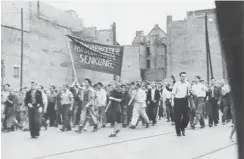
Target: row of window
{"x": 16, "y": 71}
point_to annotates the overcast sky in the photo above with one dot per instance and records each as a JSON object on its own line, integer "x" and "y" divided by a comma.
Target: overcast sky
{"x": 130, "y": 16}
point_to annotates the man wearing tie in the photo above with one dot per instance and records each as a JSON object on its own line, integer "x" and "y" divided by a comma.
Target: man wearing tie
{"x": 153, "y": 98}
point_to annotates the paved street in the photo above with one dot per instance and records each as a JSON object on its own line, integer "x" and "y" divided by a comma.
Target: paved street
{"x": 157, "y": 142}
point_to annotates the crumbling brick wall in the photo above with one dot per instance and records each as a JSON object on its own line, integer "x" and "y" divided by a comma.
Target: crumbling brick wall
{"x": 187, "y": 47}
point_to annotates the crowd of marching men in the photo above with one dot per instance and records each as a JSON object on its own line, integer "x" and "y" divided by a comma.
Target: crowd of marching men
{"x": 119, "y": 104}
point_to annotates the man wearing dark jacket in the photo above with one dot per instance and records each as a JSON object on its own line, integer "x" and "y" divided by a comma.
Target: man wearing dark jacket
{"x": 34, "y": 102}
{"x": 214, "y": 99}
{"x": 153, "y": 98}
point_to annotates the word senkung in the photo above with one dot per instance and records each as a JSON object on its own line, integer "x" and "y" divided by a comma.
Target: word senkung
{"x": 95, "y": 61}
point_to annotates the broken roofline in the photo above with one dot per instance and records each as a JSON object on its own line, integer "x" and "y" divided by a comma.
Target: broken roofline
{"x": 188, "y": 13}
{"x": 159, "y": 28}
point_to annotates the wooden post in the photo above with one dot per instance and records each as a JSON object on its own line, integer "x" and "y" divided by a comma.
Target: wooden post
{"x": 209, "y": 61}
{"x": 114, "y": 43}
{"x": 2, "y": 71}
{"x": 207, "y": 47}
{"x": 22, "y": 50}
{"x": 71, "y": 57}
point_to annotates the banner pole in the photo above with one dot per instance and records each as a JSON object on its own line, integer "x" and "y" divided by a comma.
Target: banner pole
{"x": 71, "y": 57}
{"x": 121, "y": 63}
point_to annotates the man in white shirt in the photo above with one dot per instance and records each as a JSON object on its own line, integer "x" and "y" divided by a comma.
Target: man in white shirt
{"x": 225, "y": 101}
{"x": 199, "y": 92}
{"x": 67, "y": 101}
{"x": 4, "y": 95}
{"x": 167, "y": 98}
{"x": 139, "y": 95}
{"x": 44, "y": 112}
{"x": 180, "y": 95}
{"x": 101, "y": 102}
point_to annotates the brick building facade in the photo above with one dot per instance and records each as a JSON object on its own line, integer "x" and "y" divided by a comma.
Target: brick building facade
{"x": 187, "y": 46}
{"x": 151, "y": 57}
{"x": 45, "y": 44}
{"x": 46, "y": 48}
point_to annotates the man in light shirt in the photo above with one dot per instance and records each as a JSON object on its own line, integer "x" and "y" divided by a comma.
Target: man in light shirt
{"x": 4, "y": 94}
{"x": 225, "y": 101}
{"x": 101, "y": 102}
{"x": 67, "y": 101}
{"x": 139, "y": 109}
{"x": 88, "y": 108}
{"x": 167, "y": 100}
{"x": 180, "y": 95}
{"x": 45, "y": 102}
{"x": 199, "y": 92}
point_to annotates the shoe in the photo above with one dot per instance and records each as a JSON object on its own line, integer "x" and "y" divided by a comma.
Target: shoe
{"x": 79, "y": 129}
{"x": 183, "y": 133}
{"x": 34, "y": 137}
{"x": 132, "y": 127}
{"x": 25, "y": 129}
{"x": 62, "y": 129}
{"x": 95, "y": 128}
{"x": 103, "y": 126}
{"x": 6, "y": 130}
{"x": 168, "y": 120}
{"x": 210, "y": 125}
{"x": 178, "y": 135}
{"x": 147, "y": 125}
{"x": 117, "y": 131}
{"x": 215, "y": 124}
{"x": 69, "y": 129}
{"x": 193, "y": 126}
{"x": 203, "y": 126}
{"x": 12, "y": 128}
{"x": 112, "y": 135}
{"x": 231, "y": 139}
{"x": 173, "y": 123}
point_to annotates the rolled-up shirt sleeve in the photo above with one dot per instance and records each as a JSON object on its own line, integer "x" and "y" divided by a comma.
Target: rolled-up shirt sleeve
{"x": 174, "y": 89}
{"x": 104, "y": 98}
{"x": 44, "y": 98}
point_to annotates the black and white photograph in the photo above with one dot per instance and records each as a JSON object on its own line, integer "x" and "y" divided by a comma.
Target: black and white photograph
{"x": 119, "y": 79}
